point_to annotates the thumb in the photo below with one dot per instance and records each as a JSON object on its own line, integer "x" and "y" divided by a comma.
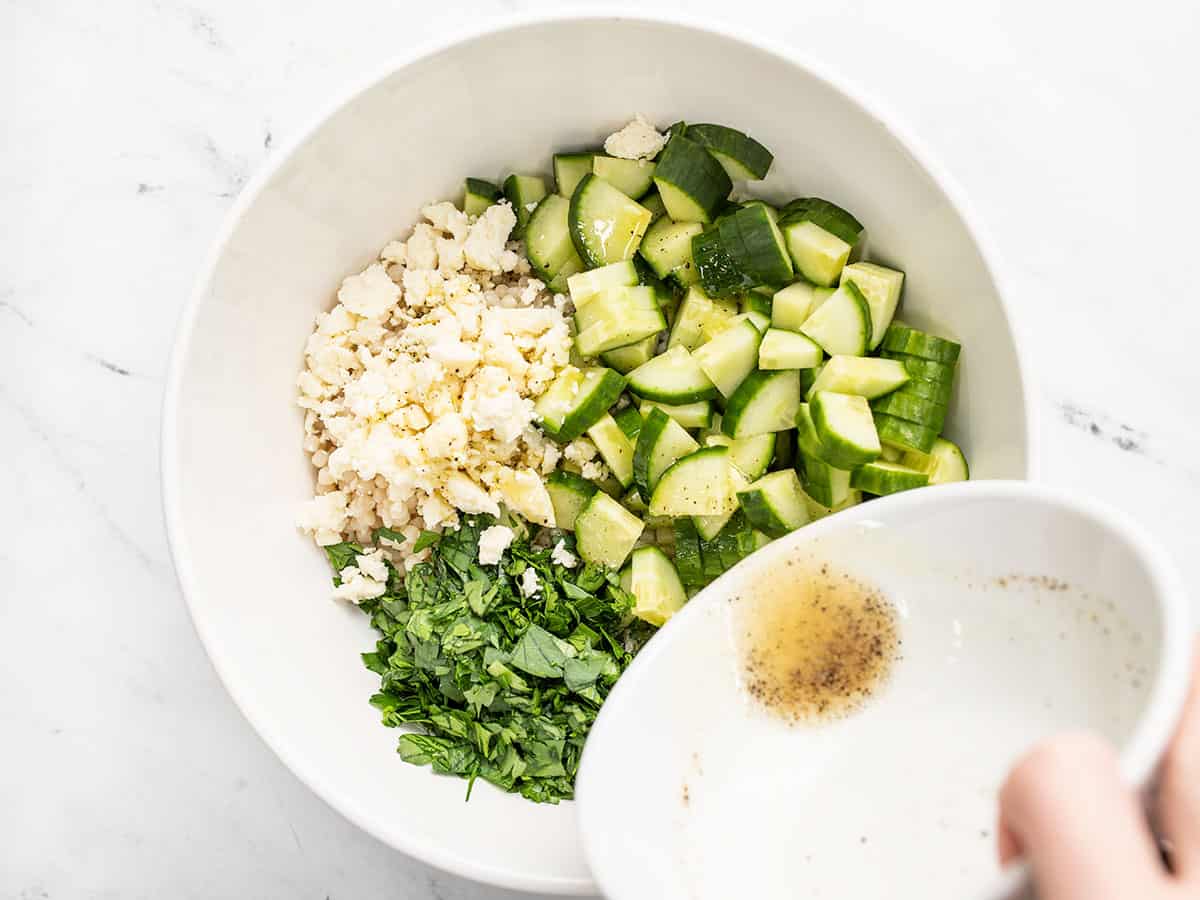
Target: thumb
{"x": 1066, "y": 809}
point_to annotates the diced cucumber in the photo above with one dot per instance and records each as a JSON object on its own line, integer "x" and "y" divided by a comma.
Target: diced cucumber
{"x": 730, "y": 356}
{"x": 753, "y": 455}
{"x": 925, "y": 369}
{"x": 709, "y": 527}
{"x": 524, "y": 192}
{"x": 817, "y": 510}
{"x": 629, "y": 420}
{"x": 605, "y": 224}
{"x": 826, "y": 484}
{"x": 845, "y": 428}
{"x": 756, "y": 301}
{"x": 660, "y": 443}
{"x": 698, "y": 484}
{"x": 902, "y": 339}
{"x": 881, "y": 286}
{"x": 774, "y": 504}
{"x": 791, "y": 306}
{"x": 656, "y": 587}
{"x": 734, "y": 541}
{"x": 615, "y": 449}
{"x": 785, "y": 450}
{"x": 788, "y": 350}
{"x": 548, "y": 242}
{"x": 808, "y": 378}
{"x": 606, "y": 532}
{"x": 667, "y": 247}
{"x": 690, "y": 415}
{"x": 828, "y": 216}
{"x": 862, "y": 375}
{"x": 820, "y": 295}
{"x": 626, "y": 359}
{"x": 904, "y": 405}
{"x": 569, "y": 493}
{"x": 905, "y": 434}
{"x": 842, "y": 325}
{"x": 585, "y": 285}
{"x": 741, "y": 156}
{"x": 770, "y": 210}
{"x": 693, "y": 185}
{"x": 807, "y": 438}
{"x": 617, "y": 317}
{"x": 698, "y": 318}
{"x": 888, "y": 453}
{"x": 710, "y": 560}
{"x": 944, "y": 463}
{"x": 569, "y": 169}
{"x": 718, "y": 271}
{"x": 632, "y": 177}
{"x": 763, "y": 403}
{"x": 633, "y": 502}
{"x": 760, "y": 322}
{"x": 687, "y": 553}
{"x": 478, "y": 195}
{"x": 934, "y": 391}
{"x": 576, "y": 399}
{"x": 817, "y": 255}
{"x": 756, "y": 245}
{"x": 723, "y": 314}
{"x": 673, "y": 377}
{"x": 653, "y": 202}
{"x": 613, "y": 304}
{"x": 881, "y": 478}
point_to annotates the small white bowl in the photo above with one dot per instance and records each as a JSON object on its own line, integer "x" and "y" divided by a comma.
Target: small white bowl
{"x": 1022, "y": 613}
{"x": 493, "y": 101}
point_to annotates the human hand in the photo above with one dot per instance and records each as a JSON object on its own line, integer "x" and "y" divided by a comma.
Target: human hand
{"x": 1066, "y": 810}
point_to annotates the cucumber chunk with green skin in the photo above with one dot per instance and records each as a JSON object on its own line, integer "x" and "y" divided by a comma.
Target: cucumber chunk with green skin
{"x": 629, "y": 420}
{"x": 846, "y": 428}
{"x": 626, "y": 359}
{"x": 660, "y": 443}
{"x": 774, "y": 504}
{"x": 842, "y": 325}
{"x": 751, "y": 456}
{"x": 904, "y": 434}
{"x": 605, "y": 224}
{"x": 655, "y": 584}
{"x": 710, "y": 527}
{"x": 673, "y": 377}
{"x": 943, "y": 464}
{"x": 692, "y": 184}
{"x": 695, "y": 485}
{"x": 785, "y": 450}
{"x": 478, "y": 195}
{"x": 881, "y": 286}
{"x": 826, "y": 484}
{"x": 816, "y": 254}
{"x": 760, "y": 322}
{"x": 882, "y": 478}
{"x": 619, "y": 317}
{"x": 548, "y": 243}
{"x": 615, "y": 449}
{"x": 820, "y": 295}
{"x": 896, "y": 455}
{"x": 767, "y": 207}
{"x": 808, "y": 378}
{"x": 758, "y": 540}
{"x": 788, "y": 350}
{"x": 903, "y": 405}
{"x": 576, "y": 400}
{"x": 653, "y": 202}
{"x": 710, "y": 560}
{"x": 817, "y": 510}
{"x": 667, "y": 247}
{"x": 722, "y": 314}
{"x": 690, "y": 415}
{"x": 584, "y": 285}
{"x": 764, "y": 402}
{"x": 902, "y": 339}
{"x": 829, "y": 216}
{"x": 569, "y": 169}
{"x": 756, "y": 244}
{"x": 687, "y": 553}
{"x": 925, "y": 369}
{"x": 699, "y": 316}
{"x": 866, "y": 376}
{"x": 730, "y": 356}
{"x": 732, "y": 540}
{"x": 632, "y": 177}
{"x": 569, "y": 493}
{"x": 606, "y": 532}
{"x": 718, "y": 271}
{"x": 791, "y": 306}
{"x": 744, "y": 158}
{"x": 524, "y": 192}
{"x": 756, "y": 301}
{"x": 934, "y": 391}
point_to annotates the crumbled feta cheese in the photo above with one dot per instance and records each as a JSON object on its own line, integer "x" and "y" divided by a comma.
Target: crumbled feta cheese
{"x": 637, "y": 140}
{"x": 357, "y": 587}
{"x": 370, "y": 293}
{"x": 372, "y": 565}
{"x": 486, "y": 240}
{"x": 580, "y": 450}
{"x": 493, "y": 541}
{"x": 564, "y": 557}
{"x": 529, "y": 583}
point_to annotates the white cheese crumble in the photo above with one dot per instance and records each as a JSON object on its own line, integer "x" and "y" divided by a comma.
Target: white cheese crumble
{"x": 418, "y": 389}
{"x": 493, "y": 541}
{"x": 637, "y": 140}
{"x": 564, "y": 557}
{"x": 529, "y": 583}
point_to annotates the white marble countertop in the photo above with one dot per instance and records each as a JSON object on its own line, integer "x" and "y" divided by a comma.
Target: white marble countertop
{"x": 130, "y": 126}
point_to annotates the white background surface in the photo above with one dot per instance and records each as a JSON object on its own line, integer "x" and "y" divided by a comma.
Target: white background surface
{"x": 128, "y": 127}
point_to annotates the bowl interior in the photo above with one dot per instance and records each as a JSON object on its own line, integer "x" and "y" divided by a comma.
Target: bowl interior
{"x": 234, "y": 473}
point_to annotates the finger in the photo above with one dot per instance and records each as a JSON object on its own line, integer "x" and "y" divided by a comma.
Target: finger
{"x": 1081, "y": 828}
{"x": 1179, "y": 787}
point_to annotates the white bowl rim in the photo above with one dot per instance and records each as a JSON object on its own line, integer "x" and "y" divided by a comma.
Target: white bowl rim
{"x": 169, "y": 463}
{"x": 1158, "y": 717}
